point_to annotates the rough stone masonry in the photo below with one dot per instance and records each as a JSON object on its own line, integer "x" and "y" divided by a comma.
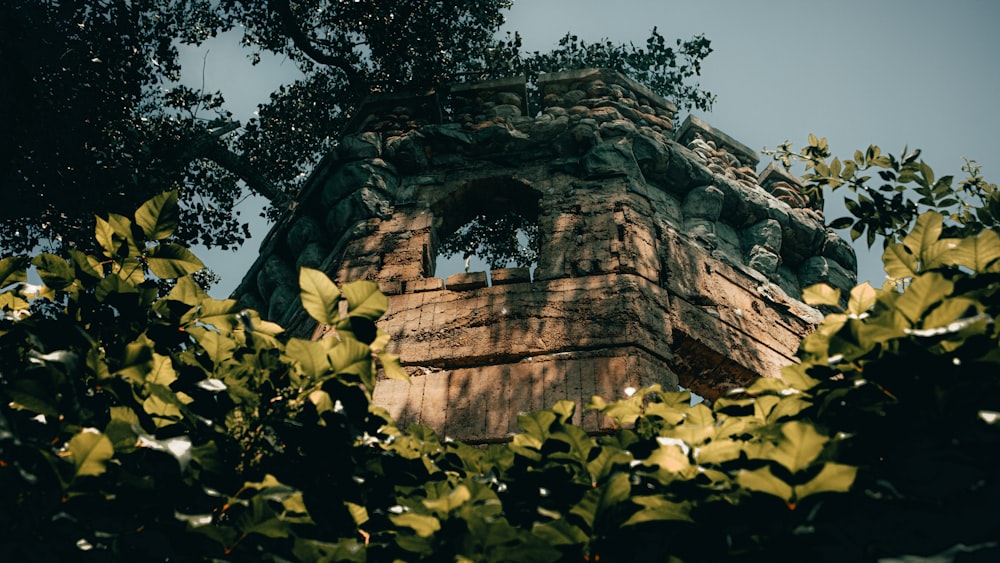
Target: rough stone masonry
{"x": 665, "y": 257}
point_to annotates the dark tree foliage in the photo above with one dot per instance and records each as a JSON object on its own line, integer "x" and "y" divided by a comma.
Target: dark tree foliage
{"x": 94, "y": 125}
{"x": 98, "y": 123}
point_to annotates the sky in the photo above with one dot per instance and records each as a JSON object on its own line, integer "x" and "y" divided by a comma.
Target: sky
{"x": 858, "y": 72}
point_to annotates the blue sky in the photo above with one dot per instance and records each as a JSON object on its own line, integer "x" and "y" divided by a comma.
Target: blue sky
{"x": 891, "y": 73}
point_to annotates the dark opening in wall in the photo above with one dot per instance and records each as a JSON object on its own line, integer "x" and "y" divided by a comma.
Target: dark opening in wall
{"x": 487, "y": 224}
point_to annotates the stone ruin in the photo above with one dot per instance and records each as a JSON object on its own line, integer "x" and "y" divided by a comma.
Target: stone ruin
{"x": 664, "y": 258}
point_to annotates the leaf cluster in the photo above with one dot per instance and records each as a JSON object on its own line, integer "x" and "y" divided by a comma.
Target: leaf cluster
{"x": 889, "y": 192}
{"x": 667, "y": 69}
{"x": 141, "y": 427}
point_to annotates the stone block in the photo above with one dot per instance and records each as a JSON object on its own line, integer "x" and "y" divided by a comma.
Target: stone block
{"x": 360, "y": 146}
{"x": 424, "y": 284}
{"x": 693, "y": 126}
{"x": 303, "y": 231}
{"x": 819, "y": 269}
{"x": 465, "y": 281}
{"x": 840, "y": 251}
{"x": 502, "y": 276}
{"x": 703, "y": 202}
{"x": 390, "y": 287}
{"x": 312, "y": 256}
{"x": 610, "y": 159}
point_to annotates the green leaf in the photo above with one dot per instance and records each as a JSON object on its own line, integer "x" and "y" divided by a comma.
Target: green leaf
{"x": 601, "y": 498}
{"x": 55, "y": 272}
{"x": 365, "y": 300}
{"x": 560, "y": 532}
{"x": 13, "y": 270}
{"x": 90, "y": 451}
{"x": 261, "y": 519}
{"x": 536, "y": 424}
{"x": 899, "y": 262}
{"x": 862, "y": 299}
{"x": 978, "y": 252}
{"x": 821, "y": 294}
{"x": 391, "y": 366}
{"x": 445, "y": 504}
{"x": 762, "y": 480}
{"x": 358, "y": 513}
{"x": 320, "y": 297}
{"x": 423, "y": 524}
{"x": 171, "y": 261}
{"x": 162, "y": 372}
{"x": 219, "y": 348}
{"x": 311, "y": 355}
{"x": 158, "y": 217}
{"x": 841, "y": 223}
{"x": 924, "y": 233}
{"x": 187, "y": 291}
{"x": 949, "y": 311}
{"x": 657, "y": 508}
{"x": 164, "y": 412}
{"x": 104, "y": 235}
{"x": 351, "y": 356}
{"x": 834, "y": 477}
{"x": 86, "y": 264}
{"x": 923, "y": 292}
{"x": 798, "y": 449}
{"x": 112, "y": 286}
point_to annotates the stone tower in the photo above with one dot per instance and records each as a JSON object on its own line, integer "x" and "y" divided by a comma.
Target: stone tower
{"x": 664, "y": 258}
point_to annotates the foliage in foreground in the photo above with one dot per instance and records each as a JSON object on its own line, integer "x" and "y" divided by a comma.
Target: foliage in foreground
{"x": 134, "y": 427}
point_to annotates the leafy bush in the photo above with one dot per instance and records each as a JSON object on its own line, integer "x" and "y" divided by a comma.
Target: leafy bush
{"x": 134, "y": 426}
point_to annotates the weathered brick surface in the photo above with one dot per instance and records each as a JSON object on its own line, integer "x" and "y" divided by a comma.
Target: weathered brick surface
{"x": 661, "y": 260}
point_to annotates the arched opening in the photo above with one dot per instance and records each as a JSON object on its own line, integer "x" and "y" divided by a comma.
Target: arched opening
{"x": 487, "y": 224}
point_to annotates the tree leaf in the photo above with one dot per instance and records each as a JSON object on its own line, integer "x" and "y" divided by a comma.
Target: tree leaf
{"x": 601, "y": 498}
{"x": 187, "y": 291}
{"x": 422, "y": 524}
{"x": 762, "y": 480}
{"x": 862, "y": 299}
{"x": 13, "y": 270}
{"x": 365, "y": 300}
{"x": 899, "y": 262}
{"x": 311, "y": 355}
{"x": 55, "y": 272}
{"x": 391, "y": 366}
{"x": 351, "y": 356}
{"x": 158, "y": 217}
{"x": 977, "y": 252}
{"x": 834, "y": 477}
{"x": 320, "y": 297}
{"x": 656, "y": 508}
{"x": 445, "y": 504}
{"x": 923, "y": 292}
{"x": 172, "y": 261}
{"x": 821, "y": 294}
{"x": 86, "y": 264}
{"x": 841, "y": 223}
{"x": 90, "y": 451}
{"x": 925, "y": 232}
{"x": 798, "y": 449}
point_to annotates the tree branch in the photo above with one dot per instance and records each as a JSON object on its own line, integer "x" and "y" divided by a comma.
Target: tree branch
{"x": 355, "y": 78}
{"x": 206, "y": 145}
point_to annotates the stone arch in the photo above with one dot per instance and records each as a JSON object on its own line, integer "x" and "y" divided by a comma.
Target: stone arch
{"x": 489, "y": 198}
